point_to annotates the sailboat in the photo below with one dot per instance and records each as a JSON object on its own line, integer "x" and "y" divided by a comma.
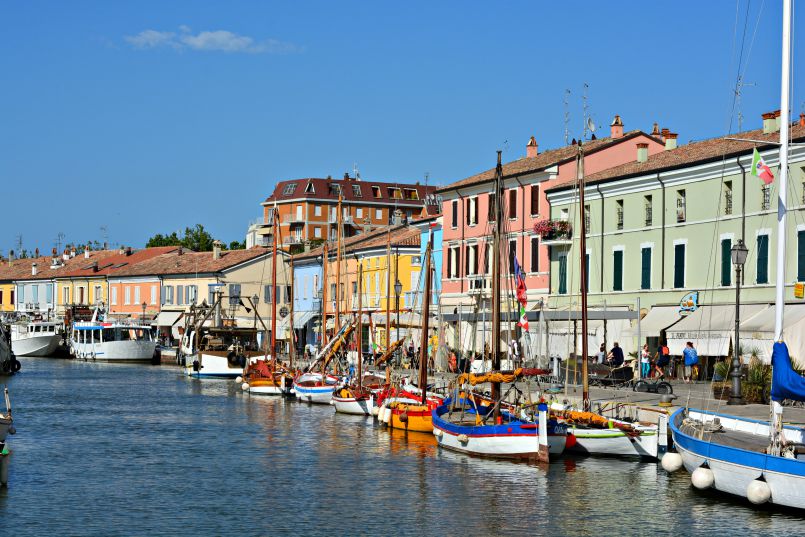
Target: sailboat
{"x": 760, "y": 461}
{"x": 464, "y": 424}
{"x": 595, "y": 434}
{"x": 317, "y": 386}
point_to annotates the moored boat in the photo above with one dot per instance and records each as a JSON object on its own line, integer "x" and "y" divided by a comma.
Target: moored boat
{"x": 35, "y": 338}
{"x": 112, "y": 341}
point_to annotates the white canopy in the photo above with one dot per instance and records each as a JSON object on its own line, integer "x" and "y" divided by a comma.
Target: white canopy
{"x": 709, "y": 328}
{"x": 168, "y": 318}
{"x": 658, "y": 319}
{"x": 757, "y": 332}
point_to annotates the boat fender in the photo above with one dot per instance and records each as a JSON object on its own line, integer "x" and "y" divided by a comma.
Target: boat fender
{"x": 12, "y": 429}
{"x": 244, "y": 386}
{"x": 196, "y": 365}
{"x": 387, "y": 416}
{"x": 437, "y": 432}
{"x": 702, "y": 478}
{"x": 15, "y": 365}
{"x": 671, "y": 462}
{"x": 463, "y": 438}
{"x": 570, "y": 441}
{"x": 404, "y": 417}
{"x": 758, "y": 492}
{"x": 238, "y": 379}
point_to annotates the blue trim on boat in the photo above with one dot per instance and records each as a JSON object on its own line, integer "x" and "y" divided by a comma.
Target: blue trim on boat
{"x": 734, "y": 455}
{"x": 512, "y": 427}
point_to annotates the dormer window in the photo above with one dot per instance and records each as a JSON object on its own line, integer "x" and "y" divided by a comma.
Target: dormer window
{"x": 411, "y": 194}
{"x": 335, "y": 189}
{"x": 395, "y": 193}
{"x": 356, "y": 191}
{"x": 376, "y": 192}
{"x": 289, "y": 189}
{"x": 309, "y": 188}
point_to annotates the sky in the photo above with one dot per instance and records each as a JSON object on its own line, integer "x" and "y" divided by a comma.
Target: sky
{"x": 119, "y": 120}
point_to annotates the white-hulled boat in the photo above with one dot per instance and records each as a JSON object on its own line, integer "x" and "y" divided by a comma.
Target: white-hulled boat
{"x": 219, "y": 352}
{"x": 112, "y": 342}
{"x": 35, "y": 338}
{"x": 310, "y": 388}
{"x": 623, "y": 439}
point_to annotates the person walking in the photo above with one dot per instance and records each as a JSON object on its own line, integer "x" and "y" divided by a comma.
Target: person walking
{"x": 615, "y": 356}
{"x": 663, "y": 358}
{"x": 691, "y": 362}
{"x": 602, "y": 354}
{"x": 645, "y": 362}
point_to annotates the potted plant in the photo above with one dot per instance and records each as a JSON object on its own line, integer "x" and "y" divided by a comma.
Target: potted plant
{"x": 553, "y": 229}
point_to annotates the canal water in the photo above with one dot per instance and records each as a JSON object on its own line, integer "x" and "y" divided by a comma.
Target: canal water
{"x": 137, "y": 450}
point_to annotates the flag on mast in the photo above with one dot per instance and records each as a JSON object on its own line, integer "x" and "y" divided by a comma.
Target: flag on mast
{"x": 760, "y": 169}
{"x": 520, "y": 291}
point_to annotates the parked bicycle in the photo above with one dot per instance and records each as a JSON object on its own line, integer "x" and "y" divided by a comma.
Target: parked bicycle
{"x": 653, "y": 386}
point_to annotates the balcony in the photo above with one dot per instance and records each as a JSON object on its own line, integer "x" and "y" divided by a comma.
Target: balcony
{"x": 554, "y": 232}
{"x": 293, "y": 240}
{"x": 478, "y": 284}
{"x": 296, "y": 221}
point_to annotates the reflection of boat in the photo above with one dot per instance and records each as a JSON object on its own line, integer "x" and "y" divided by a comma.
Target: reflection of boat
{"x": 35, "y": 338}
{"x": 112, "y": 342}
{"x": 6, "y": 428}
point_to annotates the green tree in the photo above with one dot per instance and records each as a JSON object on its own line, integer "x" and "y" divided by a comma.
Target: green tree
{"x": 237, "y": 245}
{"x": 195, "y": 238}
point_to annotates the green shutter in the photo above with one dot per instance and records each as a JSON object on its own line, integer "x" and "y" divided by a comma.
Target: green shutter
{"x": 763, "y": 258}
{"x": 645, "y": 268}
{"x": 726, "y": 262}
{"x": 562, "y": 274}
{"x": 617, "y": 270}
{"x": 679, "y": 266}
{"x": 800, "y": 256}
{"x": 587, "y": 272}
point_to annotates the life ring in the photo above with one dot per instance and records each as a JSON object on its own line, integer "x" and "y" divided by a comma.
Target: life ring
{"x": 15, "y": 365}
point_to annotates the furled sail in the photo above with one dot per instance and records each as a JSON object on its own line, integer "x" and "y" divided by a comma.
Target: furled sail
{"x": 785, "y": 383}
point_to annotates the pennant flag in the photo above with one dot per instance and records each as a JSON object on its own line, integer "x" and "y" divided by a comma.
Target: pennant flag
{"x": 519, "y": 279}
{"x": 760, "y": 169}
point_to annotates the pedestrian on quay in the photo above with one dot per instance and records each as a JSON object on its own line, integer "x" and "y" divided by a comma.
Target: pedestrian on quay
{"x": 602, "y": 353}
{"x": 645, "y": 362}
{"x": 615, "y": 356}
{"x": 662, "y": 359}
{"x": 691, "y": 362}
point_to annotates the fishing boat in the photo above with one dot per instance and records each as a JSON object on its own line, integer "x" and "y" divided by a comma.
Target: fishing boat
{"x": 112, "y": 341}
{"x": 757, "y": 460}
{"x": 465, "y": 425}
{"x": 6, "y": 428}
{"x": 8, "y": 361}
{"x": 35, "y": 338}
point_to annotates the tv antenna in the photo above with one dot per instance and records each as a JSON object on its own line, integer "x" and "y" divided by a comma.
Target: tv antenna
{"x": 585, "y": 108}
{"x": 739, "y": 85}
{"x": 567, "y": 116}
{"x": 59, "y": 239}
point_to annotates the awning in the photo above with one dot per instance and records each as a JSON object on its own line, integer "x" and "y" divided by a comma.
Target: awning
{"x": 764, "y": 320}
{"x": 657, "y": 320}
{"x": 301, "y": 319}
{"x": 168, "y": 318}
{"x": 709, "y": 328}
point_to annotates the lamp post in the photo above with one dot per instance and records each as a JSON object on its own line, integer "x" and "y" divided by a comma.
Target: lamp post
{"x": 739, "y": 253}
{"x": 144, "y": 305}
{"x": 397, "y": 291}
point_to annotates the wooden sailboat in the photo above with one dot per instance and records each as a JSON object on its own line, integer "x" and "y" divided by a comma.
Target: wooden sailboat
{"x": 760, "y": 461}
{"x": 495, "y": 430}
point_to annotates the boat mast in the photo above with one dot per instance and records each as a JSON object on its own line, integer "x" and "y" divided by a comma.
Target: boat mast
{"x": 388, "y": 289}
{"x": 337, "y": 326}
{"x": 496, "y": 286}
{"x": 324, "y": 260}
{"x": 274, "y": 288}
{"x": 585, "y": 393}
{"x": 360, "y": 324}
{"x": 292, "y": 344}
{"x": 423, "y": 349}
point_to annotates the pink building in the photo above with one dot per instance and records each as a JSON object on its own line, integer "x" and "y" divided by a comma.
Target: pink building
{"x": 466, "y": 208}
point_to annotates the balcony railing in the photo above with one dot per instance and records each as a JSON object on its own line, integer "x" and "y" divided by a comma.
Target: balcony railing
{"x": 293, "y": 240}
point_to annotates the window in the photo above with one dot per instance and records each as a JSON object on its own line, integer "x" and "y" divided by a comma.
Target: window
{"x": 727, "y": 197}
{"x": 113, "y": 298}
{"x": 267, "y": 294}
{"x": 65, "y": 295}
{"x": 472, "y": 211}
{"x": 317, "y": 232}
{"x": 766, "y": 201}
{"x": 334, "y": 189}
{"x": 309, "y": 188}
{"x": 167, "y": 292}
{"x": 137, "y": 295}
{"x": 378, "y": 214}
{"x": 299, "y": 213}
{"x": 681, "y": 215}
{"x": 726, "y": 262}
{"x": 587, "y": 272}
{"x": 48, "y": 293}
{"x": 649, "y": 211}
{"x": 800, "y": 256}
{"x": 1, "y": 296}
{"x": 153, "y": 294}
{"x": 35, "y": 294}
{"x": 512, "y": 254}
{"x": 513, "y": 204}
{"x": 359, "y": 212}
{"x": 192, "y": 294}
{"x": 411, "y": 194}
{"x": 490, "y": 213}
{"x": 803, "y": 191}
{"x": 619, "y": 214}
{"x": 454, "y": 217}
{"x": 472, "y": 260}
{"x": 127, "y": 295}
{"x": 453, "y": 262}
{"x": 679, "y": 266}
{"x": 762, "y": 259}
{"x": 289, "y": 189}
{"x": 287, "y": 294}
{"x": 356, "y": 191}
{"x": 376, "y": 192}
{"x": 562, "y": 274}
{"x": 534, "y": 254}
{"x": 317, "y": 210}
{"x": 234, "y": 294}
{"x": 645, "y": 268}
{"x": 617, "y": 270}
{"x": 564, "y": 215}
{"x": 13, "y": 291}
{"x": 487, "y": 267}
{"x": 587, "y": 219}
{"x": 394, "y": 193}
{"x": 534, "y": 200}
{"x": 180, "y": 295}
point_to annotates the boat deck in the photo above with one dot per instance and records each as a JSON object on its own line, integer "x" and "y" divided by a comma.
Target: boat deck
{"x": 736, "y": 439}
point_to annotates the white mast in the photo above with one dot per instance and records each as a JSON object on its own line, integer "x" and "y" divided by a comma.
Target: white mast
{"x": 783, "y": 179}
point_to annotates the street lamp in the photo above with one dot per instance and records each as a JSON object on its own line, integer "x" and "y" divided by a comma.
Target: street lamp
{"x": 397, "y": 292}
{"x": 144, "y": 305}
{"x": 739, "y": 253}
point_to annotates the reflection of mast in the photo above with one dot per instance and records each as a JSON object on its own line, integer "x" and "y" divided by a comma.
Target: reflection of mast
{"x": 423, "y": 349}
{"x": 496, "y": 285}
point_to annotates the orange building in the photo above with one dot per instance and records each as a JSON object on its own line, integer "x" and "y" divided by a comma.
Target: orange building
{"x": 308, "y": 207}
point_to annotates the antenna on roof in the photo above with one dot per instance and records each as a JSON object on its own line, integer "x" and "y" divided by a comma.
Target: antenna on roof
{"x": 59, "y": 239}
{"x": 591, "y": 125}
{"x": 105, "y": 233}
{"x": 739, "y": 85}
{"x": 567, "y": 116}
{"x": 584, "y": 108}
{"x": 355, "y": 171}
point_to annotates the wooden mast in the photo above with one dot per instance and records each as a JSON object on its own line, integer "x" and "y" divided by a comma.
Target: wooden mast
{"x": 388, "y": 289}
{"x": 423, "y": 349}
{"x": 496, "y": 286}
{"x": 585, "y": 393}
{"x": 274, "y": 289}
{"x": 337, "y": 325}
{"x": 292, "y": 344}
{"x": 360, "y": 324}
{"x": 325, "y": 254}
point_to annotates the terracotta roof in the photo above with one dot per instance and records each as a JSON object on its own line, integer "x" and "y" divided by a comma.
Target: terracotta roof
{"x": 191, "y": 262}
{"x": 544, "y": 160}
{"x": 20, "y": 269}
{"x": 111, "y": 264}
{"x": 401, "y": 235}
{"x": 298, "y": 188}
{"x": 701, "y": 152}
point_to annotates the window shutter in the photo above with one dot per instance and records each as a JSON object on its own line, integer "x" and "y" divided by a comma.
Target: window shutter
{"x": 763, "y": 259}
{"x": 467, "y": 257}
{"x": 801, "y": 256}
{"x": 679, "y": 266}
{"x": 535, "y": 199}
{"x": 474, "y": 210}
{"x": 455, "y": 214}
{"x": 534, "y": 254}
{"x": 162, "y": 295}
{"x": 491, "y": 209}
{"x": 726, "y": 261}
{"x": 475, "y": 259}
{"x": 645, "y": 268}
{"x": 449, "y": 262}
{"x": 467, "y": 211}
{"x": 586, "y": 272}
{"x": 617, "y": 269}
{"x": 512, "y": 203}
{"x": 562, "y": 274}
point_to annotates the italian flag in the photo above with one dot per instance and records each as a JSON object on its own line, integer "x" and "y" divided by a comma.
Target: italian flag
{"x": 760, "y": 169}
{"x": 519, "y": 279}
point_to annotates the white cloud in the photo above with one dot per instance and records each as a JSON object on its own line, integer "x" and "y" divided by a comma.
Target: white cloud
{"x": 216, "y": 40}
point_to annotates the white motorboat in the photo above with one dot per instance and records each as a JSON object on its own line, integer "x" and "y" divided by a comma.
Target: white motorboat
{"x": 219, "y": 352}
{"x": 112, "y": 342}
{"x": 35, "y": 338}
{"x": 310, "y": 388}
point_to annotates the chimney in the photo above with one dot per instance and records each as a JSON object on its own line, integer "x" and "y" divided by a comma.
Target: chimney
{"x": 94, "y": 266}
{"x": 72, "y": 251}
{"x": 642, "y": 152}
{"x": 65, "y": 254}
{"x": 105, "y": 245}
{"x": 180, "y": 250}
{"x": 36, "y": 252}
{"x": 802, "y": 120}
{"x": 397, "y": 219}
{"x": 216, "y": 250}
{"x": 87, "y": 251}
{"x": 10, "y": 257}
{"x": 616, "y": 128}
{"x": 670, "y": 140}
{"x": 121, "y": 250}
{"x": 656, "y": 131}
{"x": 33, "y": 269}
{"x": 531, "y": 149}
{"x": 346, "y": 176}
{"x": 128, "y": 250}
{"x": 768, "y": 122}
